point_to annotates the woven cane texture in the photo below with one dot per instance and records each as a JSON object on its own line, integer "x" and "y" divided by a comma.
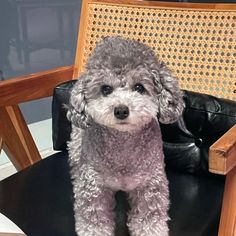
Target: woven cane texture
{"x": 199, "y": 46}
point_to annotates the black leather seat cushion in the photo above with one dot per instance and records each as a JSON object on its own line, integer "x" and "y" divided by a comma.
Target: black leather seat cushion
{"x": 40, "y": 201}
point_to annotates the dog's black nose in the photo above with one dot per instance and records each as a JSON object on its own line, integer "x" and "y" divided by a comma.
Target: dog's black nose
{"x": 121, "y": 112}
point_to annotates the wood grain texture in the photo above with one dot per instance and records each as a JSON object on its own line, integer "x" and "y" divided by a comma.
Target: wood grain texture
{"x": 228, "y": 214}
{"x": 81, "y": 40}
{"x": 179, "y": 5}
{"x": 17, "y": 140}
{"x": 33, "y": 86}
{"x": 222, "y": 154}
{"x": 1, "y": 144}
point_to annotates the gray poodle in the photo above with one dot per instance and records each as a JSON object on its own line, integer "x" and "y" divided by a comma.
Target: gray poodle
{"x": 116, "y": 142}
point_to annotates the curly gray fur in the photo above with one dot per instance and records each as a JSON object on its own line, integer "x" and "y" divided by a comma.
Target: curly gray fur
{"x": 109, "y": 154}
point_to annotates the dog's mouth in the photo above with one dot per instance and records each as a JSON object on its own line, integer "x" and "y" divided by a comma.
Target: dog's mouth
{"x": 123, "y": 123}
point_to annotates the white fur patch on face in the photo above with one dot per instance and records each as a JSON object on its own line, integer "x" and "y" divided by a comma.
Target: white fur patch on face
{"x": 141, "y": 110}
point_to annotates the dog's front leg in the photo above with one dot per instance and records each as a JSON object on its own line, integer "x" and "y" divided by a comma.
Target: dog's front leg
{"x": 149, "y": 209}
{"x": 94, "y": 206}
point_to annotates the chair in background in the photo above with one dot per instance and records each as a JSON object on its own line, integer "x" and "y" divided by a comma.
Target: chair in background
{"x": 198, "y": 42}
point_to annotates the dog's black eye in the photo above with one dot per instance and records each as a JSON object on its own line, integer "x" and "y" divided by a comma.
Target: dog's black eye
{"x": 139, "y": 88}
{"x": 106, "y": 90}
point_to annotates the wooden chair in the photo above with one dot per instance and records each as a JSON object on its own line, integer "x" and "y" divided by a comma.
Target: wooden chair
{"x": 197, "y": 41}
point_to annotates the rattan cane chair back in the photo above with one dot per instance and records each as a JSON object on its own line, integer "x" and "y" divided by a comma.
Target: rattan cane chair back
{"x": 196, "y": 41}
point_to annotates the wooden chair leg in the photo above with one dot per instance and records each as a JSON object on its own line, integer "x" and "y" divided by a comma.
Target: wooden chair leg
{"x": 1, "y": 144}
{"x": 228, "y": 213}
{"x": 17, "y": 141}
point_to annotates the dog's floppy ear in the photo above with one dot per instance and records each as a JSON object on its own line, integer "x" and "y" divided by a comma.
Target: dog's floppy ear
{"x": 169, "y": 96}
{"x": 77, "y": 108}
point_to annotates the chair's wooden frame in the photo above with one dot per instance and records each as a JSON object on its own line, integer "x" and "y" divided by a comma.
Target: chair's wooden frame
{"x": 15, "y": 137}
{"x": 17, "y": 141}
{"x": 222, "y": 160}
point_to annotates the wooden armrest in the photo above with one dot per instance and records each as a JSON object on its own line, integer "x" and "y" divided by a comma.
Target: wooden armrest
{"x": 33, "y": 86}
{"x": 15, "y": 137}
{"x": 222, "y": 154}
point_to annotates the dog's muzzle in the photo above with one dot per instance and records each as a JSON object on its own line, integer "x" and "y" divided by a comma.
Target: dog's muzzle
{"x": 121, "y": 112}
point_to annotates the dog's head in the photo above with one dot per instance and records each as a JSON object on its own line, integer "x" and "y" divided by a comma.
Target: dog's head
{"x": 124, "y": 87}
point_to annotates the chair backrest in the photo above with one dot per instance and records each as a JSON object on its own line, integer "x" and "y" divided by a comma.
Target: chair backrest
{"x": 196, "y": 41}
